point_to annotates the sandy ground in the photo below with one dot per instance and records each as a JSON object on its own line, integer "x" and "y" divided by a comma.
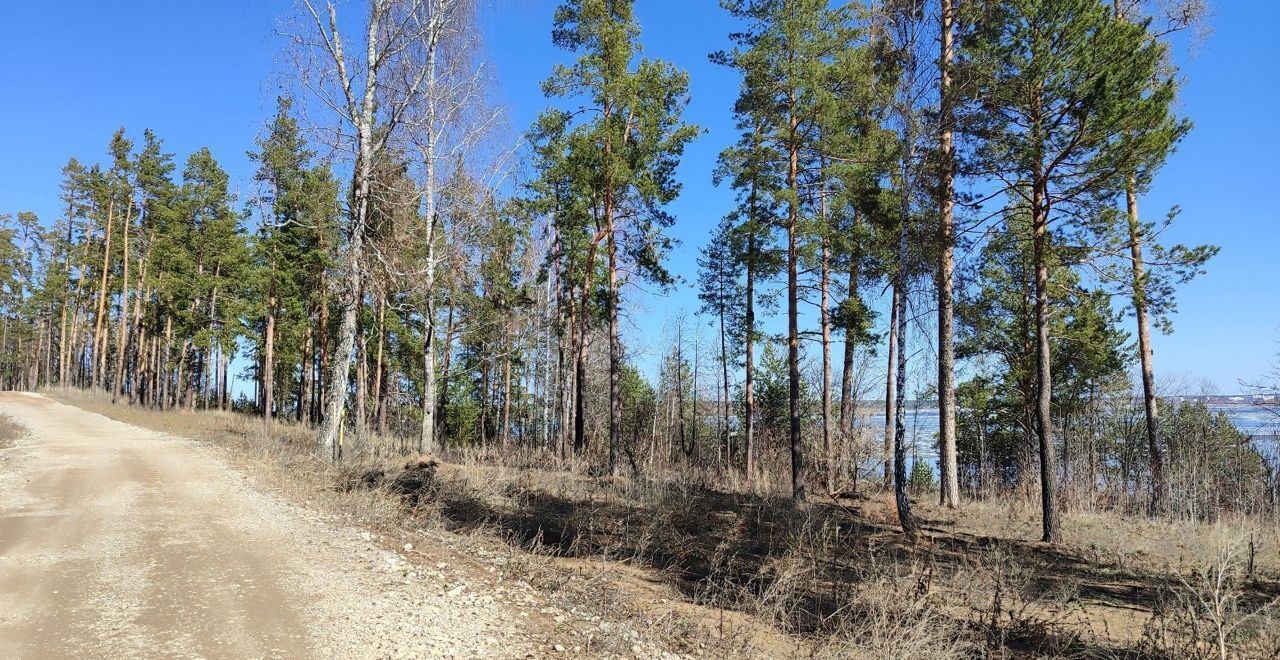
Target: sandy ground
{"x": 117, "y": 541}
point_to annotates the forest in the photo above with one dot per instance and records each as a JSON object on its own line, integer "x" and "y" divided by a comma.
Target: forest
{"x": 935, "y": 200}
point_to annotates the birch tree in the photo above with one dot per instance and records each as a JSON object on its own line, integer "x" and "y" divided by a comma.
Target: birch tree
{"x": 352, "y": 78}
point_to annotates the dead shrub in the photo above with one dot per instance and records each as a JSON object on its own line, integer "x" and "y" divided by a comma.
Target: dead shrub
{"x": 1212, "y": 613}
{"x": 416, "y": 481}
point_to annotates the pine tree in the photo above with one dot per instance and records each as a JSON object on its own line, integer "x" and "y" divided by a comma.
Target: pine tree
{"x": 1152, "y": 291}
{"x": 997, "y": 331}
{"x": 749, "y": 168}
{"x": 282, "y": 159}
{"x": 721, "y": 294}
{"x": 622, "y": 159}
{"x": 1061, "y": 85}
{"x": 158, "y": 200}
{"x": 72, "y": 197}
{"x": 785, "y": 54}
{"x": 211, "y": 255}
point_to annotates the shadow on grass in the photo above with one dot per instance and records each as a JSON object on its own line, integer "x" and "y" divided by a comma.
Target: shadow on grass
{"x": 803, "y": 566}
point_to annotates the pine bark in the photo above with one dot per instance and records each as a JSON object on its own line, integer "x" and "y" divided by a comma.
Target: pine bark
{"x": 306, "y": 378}
{"x": 793, "y": 307}
{"x": 615, "y": 351}
{"x": 1044, "y": 385}
{"x": 826, "y": 367}
{"x": 1159, "y": 489}
{"x": 724, "y": 393}
{"x": 848, "y": 406}
{"x": 122, "y": 339}
{"x": 97, "y": 360}
{"x": 269, "y": 363}
{"x": 378, "y": 392}
{"x": 506, "y": 393}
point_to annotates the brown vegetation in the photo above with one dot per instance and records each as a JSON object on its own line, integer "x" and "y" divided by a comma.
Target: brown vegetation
{"x": 721, "y": 571}
{"x": 9, "y": 431}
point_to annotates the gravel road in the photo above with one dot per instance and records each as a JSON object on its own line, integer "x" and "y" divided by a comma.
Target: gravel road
{"x": 117, "y": 541}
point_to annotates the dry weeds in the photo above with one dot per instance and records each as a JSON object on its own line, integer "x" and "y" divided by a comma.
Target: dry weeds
{"x": 10, "y": 431}
{"x": 687, "y": 555}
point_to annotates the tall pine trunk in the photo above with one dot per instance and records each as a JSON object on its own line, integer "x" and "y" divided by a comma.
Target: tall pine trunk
{"x": 162, "y": 364}
{"x": 1044, "y": 385}
{"x": 306, "y": 377}
{"x": 378, "y": 391}
{"x": 748, "y": 377}
{"x": 269, "y": 363}
{"x": 793, "y": 308}
{"x": 122, "y": 339}
{"x": 693, "y": 444}
{"x": 224, "y": 393}
{"x": 615, "y": 351}
{"x": 848, "y": 406}
{"x": 824, "y": 307}
{"x": 724, "y": 393}
{"x": 1159, "y": 488}
{"x": 360, "y": 409}
{"x": 506, "y": 389}
{"x": 98, "y": 360}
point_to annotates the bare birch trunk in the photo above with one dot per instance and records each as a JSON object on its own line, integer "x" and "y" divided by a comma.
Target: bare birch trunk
{"x": 949, "y": 494}
{"x": 269, "y": 363}
{"x": 900, "y": 282}
{"x": 361, "y": 114}
{"x": 890, "y": 397}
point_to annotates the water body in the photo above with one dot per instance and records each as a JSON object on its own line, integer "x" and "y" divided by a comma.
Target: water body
{"x": 1260, "y": 423}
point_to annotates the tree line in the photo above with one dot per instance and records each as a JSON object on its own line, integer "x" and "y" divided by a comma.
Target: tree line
{"x": 405, "y": 280}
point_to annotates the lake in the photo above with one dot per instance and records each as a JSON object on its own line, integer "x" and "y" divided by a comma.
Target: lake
{"x": 922, "y": 423}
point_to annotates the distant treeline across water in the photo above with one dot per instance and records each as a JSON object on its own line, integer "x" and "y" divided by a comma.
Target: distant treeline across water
{"x": 1261, "y": 423}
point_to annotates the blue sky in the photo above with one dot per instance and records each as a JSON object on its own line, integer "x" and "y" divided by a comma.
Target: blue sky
{"x": 200, "y": 74}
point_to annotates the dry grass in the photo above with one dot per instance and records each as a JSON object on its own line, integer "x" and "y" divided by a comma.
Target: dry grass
{"x": 10, "y": 431}
{"x": 839, "y": 575}
{"x": 1213, "y": 613}
{"x": 686, "y": 555}
{"x": 605, "y": 610}
{"x": 1130, "y": 541}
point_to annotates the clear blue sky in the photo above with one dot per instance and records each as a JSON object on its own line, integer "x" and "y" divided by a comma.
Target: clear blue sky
{"x": 199, "y": 74}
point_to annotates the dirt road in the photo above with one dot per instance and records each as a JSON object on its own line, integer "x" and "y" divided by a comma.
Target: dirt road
{"x": 117, "y": 541}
